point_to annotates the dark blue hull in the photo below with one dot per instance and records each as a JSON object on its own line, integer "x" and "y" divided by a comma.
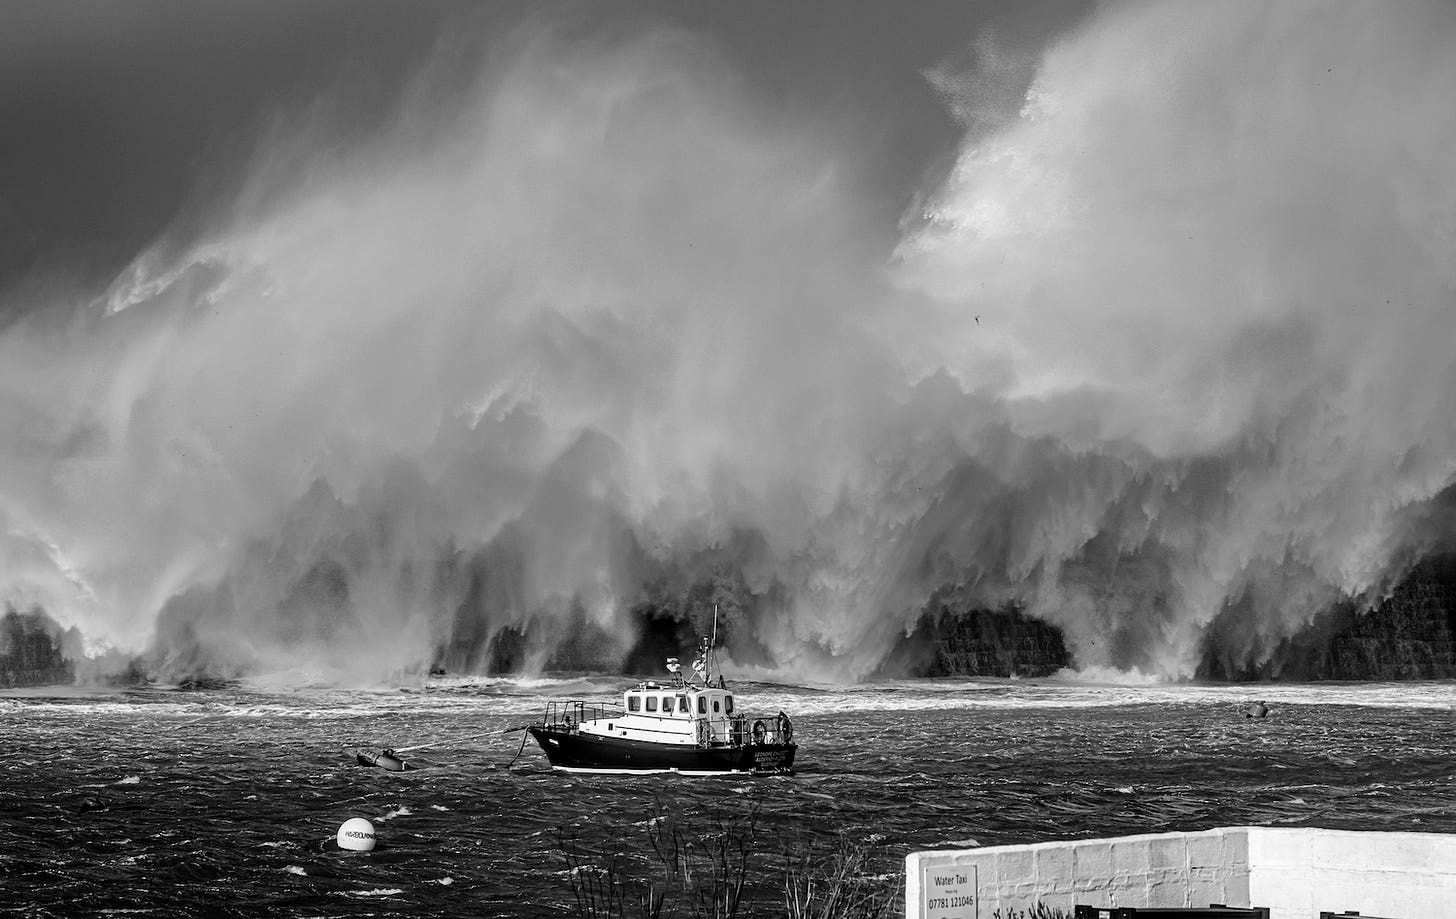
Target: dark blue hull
{"x": 566, "y": 749}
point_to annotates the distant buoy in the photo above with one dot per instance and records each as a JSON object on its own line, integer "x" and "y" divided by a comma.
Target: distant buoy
{"x": 357, "y": 835}
{"x": 1256, "y": 710}
{"x": 91, "y": 804}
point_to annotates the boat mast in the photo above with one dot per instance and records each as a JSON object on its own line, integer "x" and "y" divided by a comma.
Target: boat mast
{"x": 713, "y": 650}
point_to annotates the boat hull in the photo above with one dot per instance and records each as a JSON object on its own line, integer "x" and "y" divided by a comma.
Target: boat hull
{"x": 579, "y": 752}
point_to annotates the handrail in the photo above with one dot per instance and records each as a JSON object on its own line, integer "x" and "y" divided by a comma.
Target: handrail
{"x": 738, "y": 730}
{"x": 567, "y": 715}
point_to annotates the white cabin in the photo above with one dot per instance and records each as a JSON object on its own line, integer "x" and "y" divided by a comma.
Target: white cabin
{"x": 676, "y": 714}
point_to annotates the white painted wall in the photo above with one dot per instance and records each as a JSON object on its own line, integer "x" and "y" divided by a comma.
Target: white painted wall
{"x": 1400, "y": 875}
{"x": 1296, "y": 872}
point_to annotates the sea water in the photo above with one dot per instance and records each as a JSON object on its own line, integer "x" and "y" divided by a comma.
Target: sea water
{"x": 168, "y": 802}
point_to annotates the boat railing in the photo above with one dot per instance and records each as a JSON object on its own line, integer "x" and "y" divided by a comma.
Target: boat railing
{"x": 568, "y": 716}
{"x": 744, "y": 730}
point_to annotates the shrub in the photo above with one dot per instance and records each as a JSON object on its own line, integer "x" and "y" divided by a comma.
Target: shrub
{"x": 715, "y": 866}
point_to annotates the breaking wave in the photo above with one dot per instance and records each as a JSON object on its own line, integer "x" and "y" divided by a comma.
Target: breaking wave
{"x": 595, "y": 342}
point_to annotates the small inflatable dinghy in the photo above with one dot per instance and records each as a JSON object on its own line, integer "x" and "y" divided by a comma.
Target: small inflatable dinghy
{"x": 387, "y": 759}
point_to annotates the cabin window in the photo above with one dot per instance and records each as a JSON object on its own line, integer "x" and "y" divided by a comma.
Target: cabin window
{"x": 634, "y": 703}
{"x": 728, "y": 704}
{"x": 716, "y": 706}
{"x": 667, "y": 704}
{"x": 682, "y": 704}
{"x": 702, "y": 705}
{"x": 652, "y": 703}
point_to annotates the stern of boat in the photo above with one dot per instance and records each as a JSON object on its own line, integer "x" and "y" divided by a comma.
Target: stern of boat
{"x": 772, "y": 758}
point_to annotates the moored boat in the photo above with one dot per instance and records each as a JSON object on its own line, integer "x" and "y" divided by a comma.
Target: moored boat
{"x": 680, "y": 725}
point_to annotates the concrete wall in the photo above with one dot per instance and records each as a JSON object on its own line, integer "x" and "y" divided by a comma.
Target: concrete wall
{"x": 1400, "y": 875}
{"x": 1296, "y": 872}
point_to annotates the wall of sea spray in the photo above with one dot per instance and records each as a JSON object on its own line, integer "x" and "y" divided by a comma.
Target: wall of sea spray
{"x": 587, "y": 337}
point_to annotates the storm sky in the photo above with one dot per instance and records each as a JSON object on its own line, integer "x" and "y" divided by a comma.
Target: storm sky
{"x": 123, "y": 118}
{"x": 341, "y": 331}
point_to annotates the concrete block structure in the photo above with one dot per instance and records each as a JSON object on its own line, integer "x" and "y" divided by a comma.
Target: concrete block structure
{"x": 1296, "y": 873}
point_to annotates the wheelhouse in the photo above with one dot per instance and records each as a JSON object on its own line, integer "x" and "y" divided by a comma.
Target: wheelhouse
{"x": 650, "y": 700}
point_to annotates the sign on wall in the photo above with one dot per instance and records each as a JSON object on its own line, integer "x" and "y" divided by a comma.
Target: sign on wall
{"x": 948, "y": 891}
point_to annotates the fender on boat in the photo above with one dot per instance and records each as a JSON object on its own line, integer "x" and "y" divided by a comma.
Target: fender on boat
{"x": 387, "y": 759}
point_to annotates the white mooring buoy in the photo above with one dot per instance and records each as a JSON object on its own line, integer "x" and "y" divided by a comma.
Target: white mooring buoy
{"x": 357, "y": 834}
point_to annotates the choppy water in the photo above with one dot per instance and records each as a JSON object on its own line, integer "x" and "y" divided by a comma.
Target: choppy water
{"x": 226, "y": 802}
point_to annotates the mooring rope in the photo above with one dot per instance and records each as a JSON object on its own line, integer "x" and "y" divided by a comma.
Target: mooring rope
{"x": 524, "y": 737}
{"x": 434, "y": 762}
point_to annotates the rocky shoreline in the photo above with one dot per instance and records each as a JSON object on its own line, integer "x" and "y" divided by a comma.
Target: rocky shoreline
{"x": 1411, "y": 635}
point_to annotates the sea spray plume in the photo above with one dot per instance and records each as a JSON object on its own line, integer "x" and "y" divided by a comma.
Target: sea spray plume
{"x": 1212, "y": 265}
{"x": 984, "y": 90}
{"x": 593, "y": 332}
{"x": 596, "y": 304}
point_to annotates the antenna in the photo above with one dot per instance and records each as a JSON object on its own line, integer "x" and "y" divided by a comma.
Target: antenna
{"x": 713, "y": 648}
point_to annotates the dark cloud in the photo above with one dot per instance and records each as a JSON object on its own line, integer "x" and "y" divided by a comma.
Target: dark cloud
{"x": 119, "y": 116}
{"x": 115, "y": 113}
